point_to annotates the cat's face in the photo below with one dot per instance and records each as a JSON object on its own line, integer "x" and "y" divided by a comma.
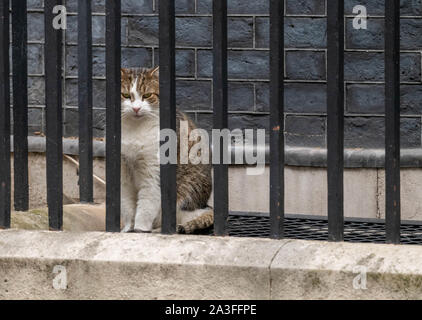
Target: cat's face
{"x": 140, "y": 93}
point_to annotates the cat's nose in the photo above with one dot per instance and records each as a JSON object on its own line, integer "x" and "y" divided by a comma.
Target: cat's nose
{"x": 136, "y": 109}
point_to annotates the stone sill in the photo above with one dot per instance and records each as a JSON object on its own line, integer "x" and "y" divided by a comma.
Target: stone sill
{"x": 102, "y": 265}
{"x": 295, "y": 156}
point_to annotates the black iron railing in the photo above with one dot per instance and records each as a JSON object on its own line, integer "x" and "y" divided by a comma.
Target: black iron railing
{"x": 53, "y": 71}
{"x": 167, "y": 35}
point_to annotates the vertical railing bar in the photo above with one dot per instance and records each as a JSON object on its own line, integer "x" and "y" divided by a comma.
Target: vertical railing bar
{"x": 167, "y": 40}
{"x": 5, "y": 167}
{"x": 335, "y": 118}
{"x": 113, "y": 114}
{"x": 54, "y": 115}
{"x": 392, "y": 120}
{"x": 220, "y": 121}
{"x": 20, "y": 104}
{"x": 86, "y": 181}
{"x": 277, "y": 118}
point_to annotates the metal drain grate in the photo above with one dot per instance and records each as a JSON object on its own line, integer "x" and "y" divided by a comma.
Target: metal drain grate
{"x": 316, "y": 228}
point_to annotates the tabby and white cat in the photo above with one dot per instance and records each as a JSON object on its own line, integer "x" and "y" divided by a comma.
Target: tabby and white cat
{"x": 140, "y": 186}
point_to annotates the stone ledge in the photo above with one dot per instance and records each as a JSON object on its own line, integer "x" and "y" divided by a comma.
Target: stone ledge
{"x": 151, "y": 266}
{"x": 294, "y": 156}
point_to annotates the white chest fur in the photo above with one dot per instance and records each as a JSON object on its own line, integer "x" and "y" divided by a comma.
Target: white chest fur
{"x": 140, "y": 141}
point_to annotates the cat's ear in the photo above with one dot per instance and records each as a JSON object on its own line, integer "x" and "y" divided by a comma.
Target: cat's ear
{"x": 122, "y": 72}
{"x": 155, "y": 71}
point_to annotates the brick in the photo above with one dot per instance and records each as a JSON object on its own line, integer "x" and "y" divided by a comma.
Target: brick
{"x": 71, "y": 55}
{"x": 182, "y": 6}
{"x": 99, "y": 123}
{"x": 373, "y": 36}
{"x": 194, "y": 32}
{"x": 411, "y": 34}
{"x": 136, "y": 57}
{"x": 369, "y": 99}
{"x": 185, "y": 62}
{"x": 98, "y": 61}
{"x": 250, "y": 121}
{"x": 204, "y": 6}
{"x": 410, "y": 99}
{"x": 365, "y": 98}
{"x": 36, "y": 90}
{"x": 241, "y": 96}
{"x": 298, "y": 97}
{"x": 71, "y": 92}
{"x": 368, "y": 132}
{"x": 370, "y": 38}
{"x": 35, "y": 26}
{"x": 373, "y": 7}
{"x": 411, "y": 7}
{"x": 305, "y": 32}
{"x": 248, "y": 7}
{"x": 98, "y": 93}
{"x": 236, "y": 121}
{"x": 137, "y": 6}
{"x": 35, "y": 4}
{"x": 240, "y": 32}
{"x": 98, "y": 29}
{"x": 35, "y": 59}
{"x": 369, "y": 66}
{"x": 262, "y": 32}
{"x": 204, "y": 121}
{"x": 35, "y": 120}
{"x": 193, "y": 95}
{"x": 305, "y": 65}
{"x": 131, "y": 58}
{"x": 190, "y": 32}
{"x": 376, "y": 7}
{"x": 245, "y": 64}
{"x": 306, "y": 98}
{"x": 308, "y": 7}
{"x": 237, "y": 7}
{"x": 71, "y": 123}
{"x": 299, "y": 32}
{"x": 72, "y": 29}
{"x": 305, "y": 131}
{"x": 142, "y": 31}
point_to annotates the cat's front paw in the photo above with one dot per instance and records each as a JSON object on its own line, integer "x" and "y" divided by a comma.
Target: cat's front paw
{"x": 144, "y": 223}
{"x": 127, "y": 229}
{"x": 186, "y": 228}
{"x": 180, "y": 229}
{"x": 141, "y": 231}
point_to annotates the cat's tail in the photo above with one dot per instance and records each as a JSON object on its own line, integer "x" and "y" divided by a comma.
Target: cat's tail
{"x": 192, "y": 221}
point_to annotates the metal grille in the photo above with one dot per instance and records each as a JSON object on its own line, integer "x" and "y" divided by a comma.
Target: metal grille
{"x": 316, "y": 228}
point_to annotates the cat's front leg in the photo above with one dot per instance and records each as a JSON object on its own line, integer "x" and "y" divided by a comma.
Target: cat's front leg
{"x": 128, "y": 201}
{"x": 148, "y": 209}
{"x": 128, "y": 209}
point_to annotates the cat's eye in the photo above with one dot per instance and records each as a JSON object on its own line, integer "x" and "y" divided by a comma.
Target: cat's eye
{"x": 147, "y": 95}
{"x": 126, "y": 95}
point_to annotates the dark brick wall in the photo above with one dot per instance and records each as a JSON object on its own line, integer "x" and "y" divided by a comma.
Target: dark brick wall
{"x": 305, "y": 72}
